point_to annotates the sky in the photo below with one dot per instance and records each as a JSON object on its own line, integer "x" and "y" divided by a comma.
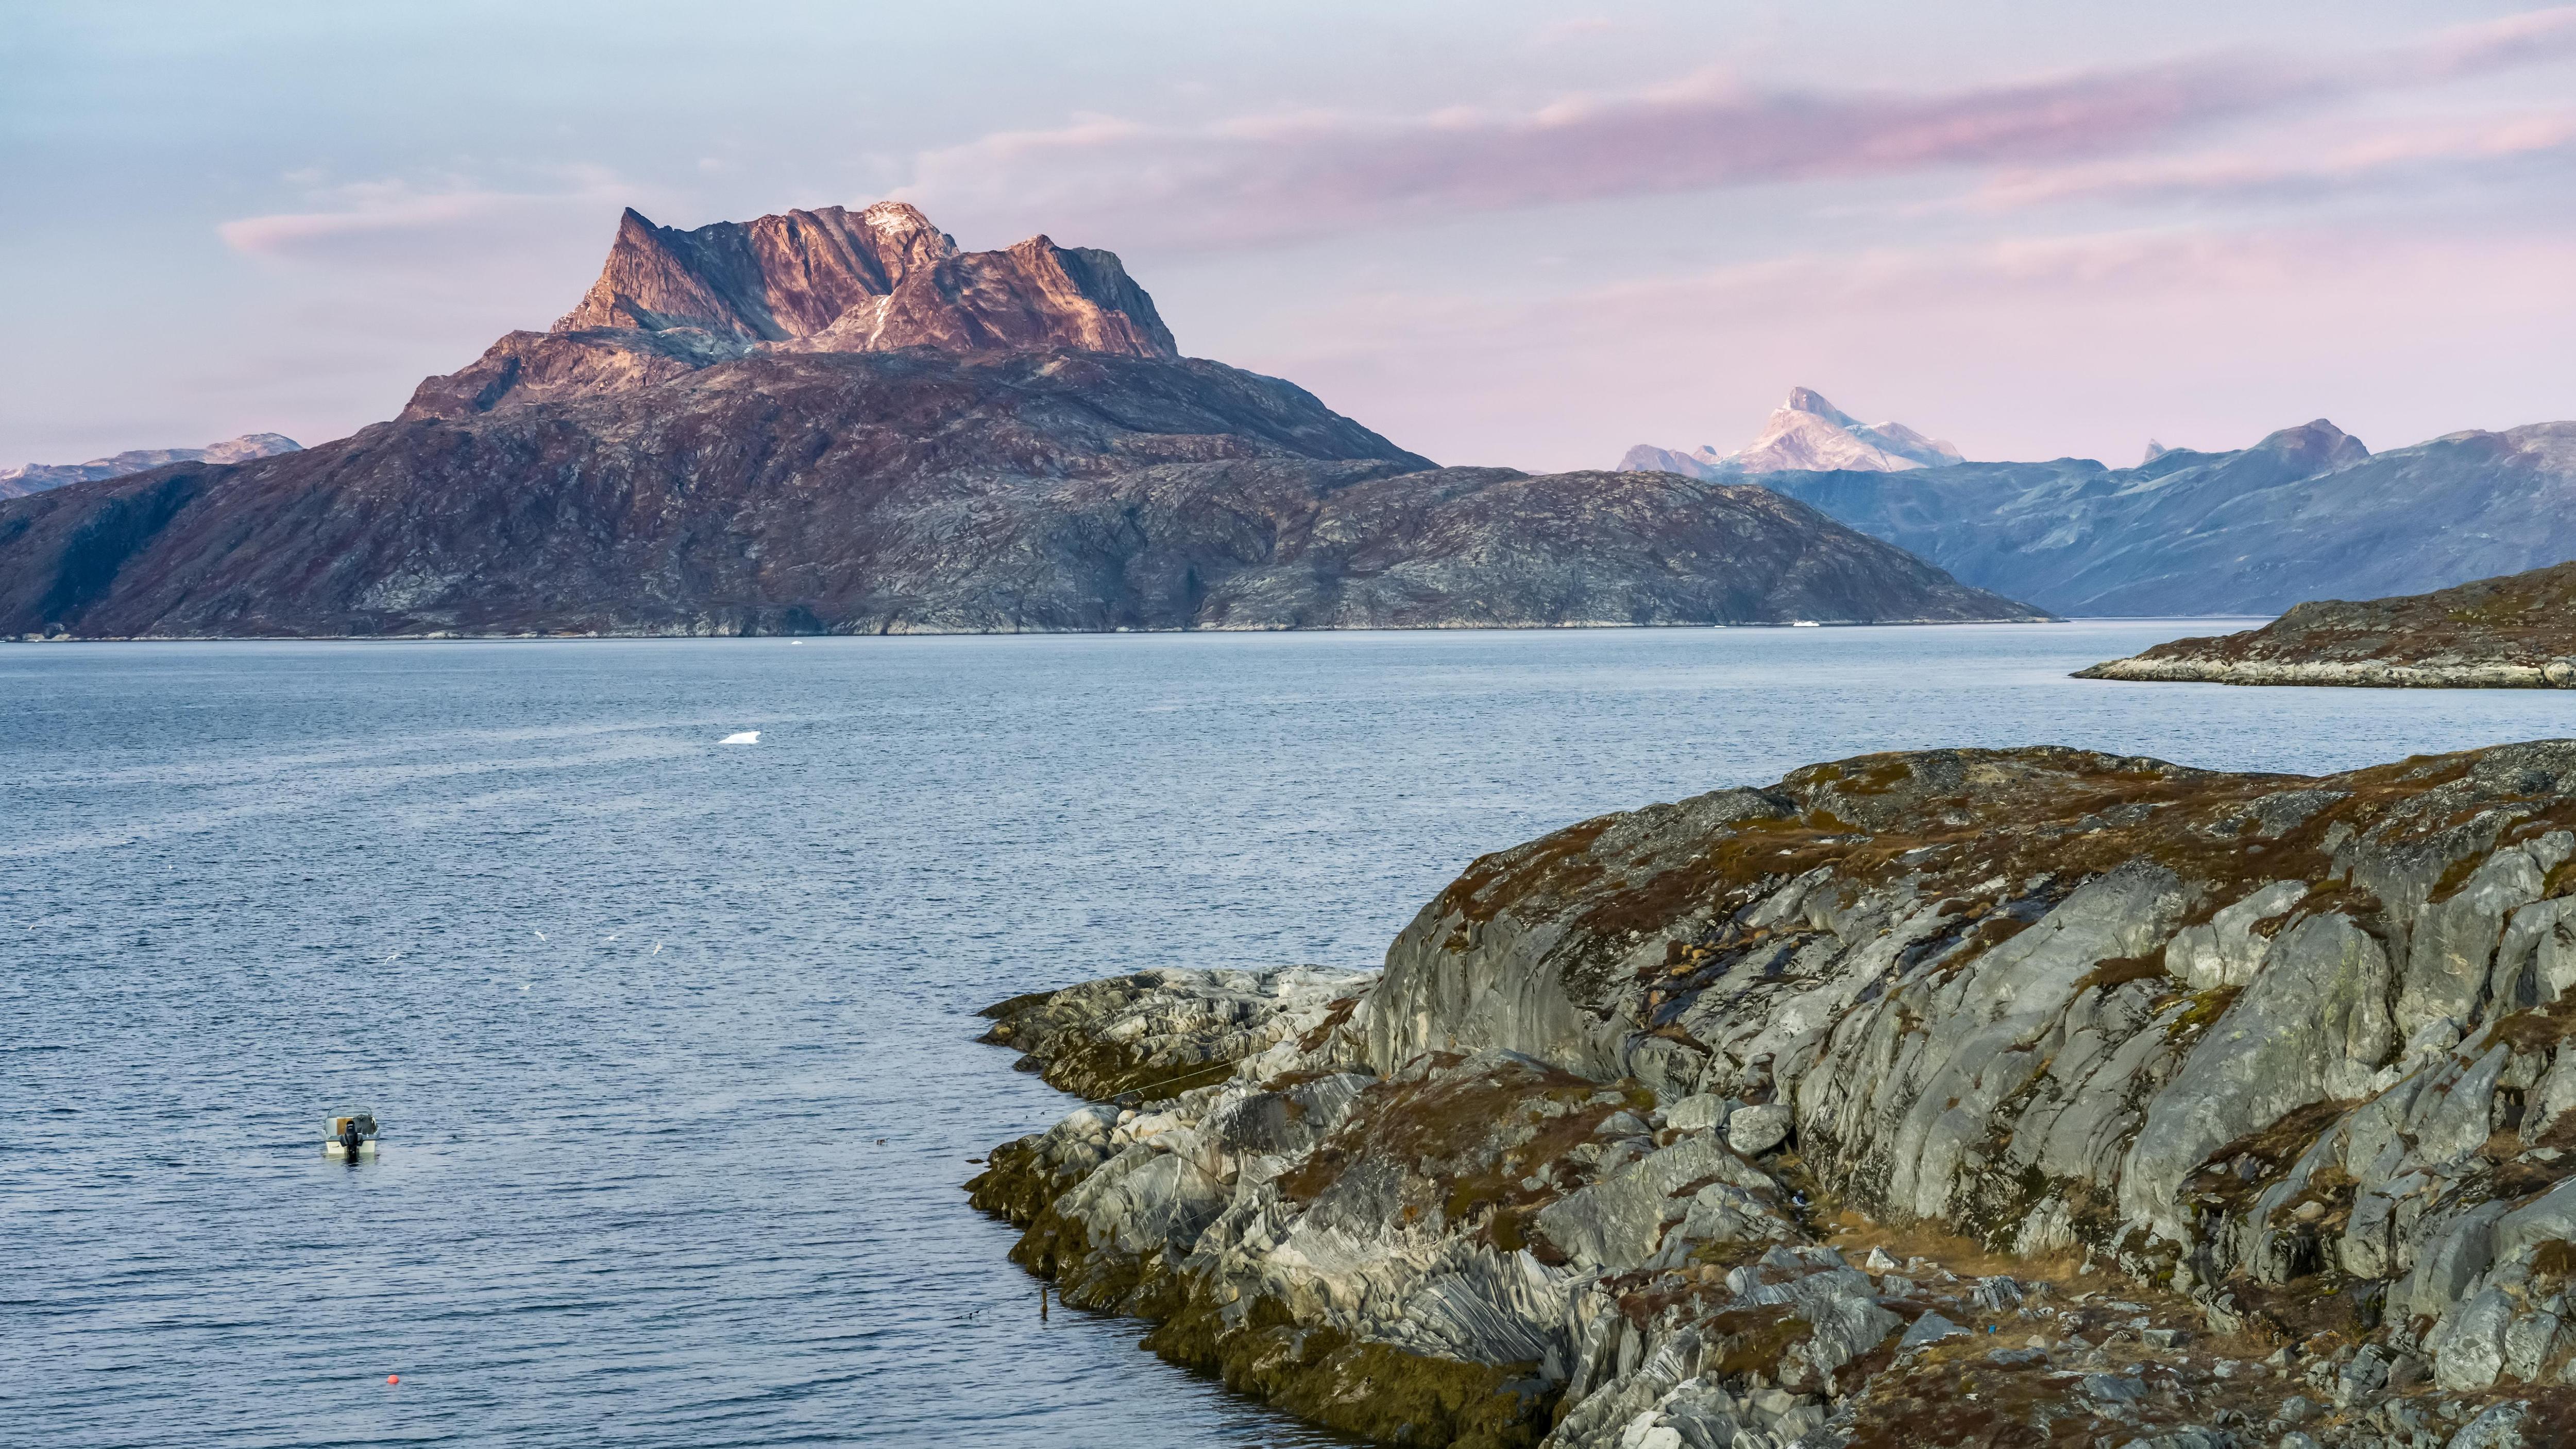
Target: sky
{"x": 1499, "y": 233}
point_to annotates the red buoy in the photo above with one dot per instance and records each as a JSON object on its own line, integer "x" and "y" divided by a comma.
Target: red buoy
{"x": 393, "y": 1378}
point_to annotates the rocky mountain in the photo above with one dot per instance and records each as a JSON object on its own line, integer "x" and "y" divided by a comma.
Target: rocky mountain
{"x": 1998, "y": 1097}
{"x": 669, "y": 302}
{"x": 2515, "y": 632}
{"x": 1806, "y": 432}
{"x": 2306, "y": 513}
{"x": 828, "y": 421}
{"x": 29, "y": 478}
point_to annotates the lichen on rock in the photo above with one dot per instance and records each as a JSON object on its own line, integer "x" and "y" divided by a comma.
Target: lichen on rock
{"x": 2028, "y": 1096}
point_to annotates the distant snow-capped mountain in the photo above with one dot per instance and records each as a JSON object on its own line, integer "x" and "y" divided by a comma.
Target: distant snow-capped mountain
{"x": 37, "y": 477}
{"x": 1804, "y": 433}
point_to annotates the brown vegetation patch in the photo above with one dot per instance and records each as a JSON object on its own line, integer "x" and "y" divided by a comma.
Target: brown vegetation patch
{"x": 1940, "y": 1402}
{"x": 2539, "y": 1029}
{"x": 1099, "y": 1070}
{"x": 1750, "y": 1341}
{"x": 1551, "y": 862}
{"x": 1853, "y": 1234}
{"x": 1372, "y": 1390}
{"x": 2323, "y": 1303}
{"x": 2237, "y": 1173}
{"x": 2121, "y": 970}
{"x": 2556, "y": 1259}
{"x": 2206, "y": 1008}
{"x": 2529, "y": 1173}
{"x": 1336, "y": 1016}
{"x": 1451, "y": 1126}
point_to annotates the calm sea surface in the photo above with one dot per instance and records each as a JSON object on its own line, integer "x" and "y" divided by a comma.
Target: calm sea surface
{"x": 672, "y": 1041}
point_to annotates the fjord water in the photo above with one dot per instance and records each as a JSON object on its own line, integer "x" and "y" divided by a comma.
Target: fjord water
{"x": 672, "y": 1040}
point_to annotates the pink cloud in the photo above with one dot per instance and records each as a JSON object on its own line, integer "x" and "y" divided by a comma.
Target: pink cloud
{"x": 2078, "y": 345}
{"x": 1262, "y": 178}
{"x": 1265, "y": 178}
{"x": 365, "y": 218}
{"x": 2441, "y": 152}
{"x": 2530, "y": 38}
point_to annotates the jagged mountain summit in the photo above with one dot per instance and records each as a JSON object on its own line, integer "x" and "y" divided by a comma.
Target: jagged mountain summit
{"x": 831, "y": 421}
{"x": 37, "y": 477}
{"x": 1805, "y": 432}
{"x": 669, "y": 302}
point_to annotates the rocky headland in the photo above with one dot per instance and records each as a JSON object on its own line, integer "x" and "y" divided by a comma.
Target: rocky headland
{"x": 2024, "y": 1097}
{"x": 840, "y": 422}
{"x": 2515, "y": 632}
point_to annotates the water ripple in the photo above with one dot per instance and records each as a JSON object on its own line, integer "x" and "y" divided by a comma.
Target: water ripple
{"x": 672, "y": 1041}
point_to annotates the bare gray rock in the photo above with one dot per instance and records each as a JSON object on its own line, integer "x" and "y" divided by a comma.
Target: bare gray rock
{"x": 1752, "y": 1131}
{"x": 2054, "y": 1001}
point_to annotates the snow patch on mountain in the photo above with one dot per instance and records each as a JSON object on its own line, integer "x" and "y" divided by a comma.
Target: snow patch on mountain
{"x": 1804, "y": 433}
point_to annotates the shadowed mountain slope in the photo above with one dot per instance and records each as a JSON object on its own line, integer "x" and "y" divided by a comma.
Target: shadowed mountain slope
{"x": 923, "y": 491}
{"x": 2305, "y": 513}
{"x": 827, "y": 421}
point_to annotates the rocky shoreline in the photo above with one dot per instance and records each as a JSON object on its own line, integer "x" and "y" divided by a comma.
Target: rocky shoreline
{"x": 1995, "y": 1097}
{"x": 2502, "y": 633}
{"x": 2360, "y": 674}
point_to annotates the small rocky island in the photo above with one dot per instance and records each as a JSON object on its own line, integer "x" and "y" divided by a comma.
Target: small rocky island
{"x": 2025, "y": 1097}
{"x": 2513, "y": 632}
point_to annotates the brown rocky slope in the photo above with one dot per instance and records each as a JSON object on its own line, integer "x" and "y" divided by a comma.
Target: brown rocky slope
{"x": 2022, "y": 1097}
{"x": 2513, "y": 632}
{"x": 836, "y": 422}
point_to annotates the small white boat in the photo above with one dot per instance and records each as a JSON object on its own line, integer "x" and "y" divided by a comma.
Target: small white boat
{"x": 745, "y": 737}
{"x": 351, "y": 1136}
{"x": 1804, "y": 624}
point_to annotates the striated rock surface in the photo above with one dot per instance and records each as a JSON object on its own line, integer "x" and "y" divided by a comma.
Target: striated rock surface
{"x": 2306, "y": 513}
{"x": 880, "y": 280}
{"x": 2001, "y": 1097}
{"x": 2515, "y": 632}
{"x": 1805, "y": 432}
{"x": 29, "y": 478}
{"x": 837, "y": 422}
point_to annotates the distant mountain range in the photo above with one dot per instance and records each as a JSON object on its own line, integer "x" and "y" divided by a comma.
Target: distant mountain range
{"x": 1806, "y": 432}
{"x": 2306, "y": 513}
{"x": 37, "y": 477}
{"x": 836, "y": 421}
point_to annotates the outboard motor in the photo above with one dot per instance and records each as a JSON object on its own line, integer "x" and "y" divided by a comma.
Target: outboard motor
{"x": 352, "y": 1136}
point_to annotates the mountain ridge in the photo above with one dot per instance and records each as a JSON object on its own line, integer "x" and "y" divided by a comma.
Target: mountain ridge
{"x": 2307, "y": 512}
{"x": 669, "y": 301}
{"x": 815, "y": 423}
{"x": 28, "y": 478}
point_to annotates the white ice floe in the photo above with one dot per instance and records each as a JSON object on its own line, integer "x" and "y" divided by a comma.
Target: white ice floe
{"x": 745, "y": 737}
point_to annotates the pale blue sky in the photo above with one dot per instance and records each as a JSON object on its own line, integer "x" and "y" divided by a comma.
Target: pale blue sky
{"x": 1500, "y": 233}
